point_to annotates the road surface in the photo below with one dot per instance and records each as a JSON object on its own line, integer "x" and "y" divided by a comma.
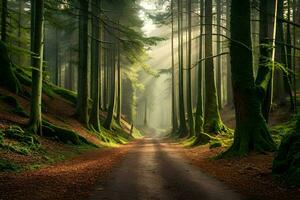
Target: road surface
{"x": 154, "y": 170}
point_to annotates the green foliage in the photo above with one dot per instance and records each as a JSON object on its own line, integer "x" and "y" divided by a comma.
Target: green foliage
{"x": 282, "y": 130}
{"x": 24, "y": 142}
{"x": 215, "y": 144}
{"x": 66, "y": 94}
{"x": 287, "y": 160}
{"x": 18, "y": 134}
{"x": 6, "y": 165}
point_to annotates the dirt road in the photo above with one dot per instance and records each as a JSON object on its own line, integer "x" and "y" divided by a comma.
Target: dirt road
{"x": 154, "y": 170}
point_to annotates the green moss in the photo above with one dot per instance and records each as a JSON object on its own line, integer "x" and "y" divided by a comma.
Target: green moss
{"x": 287, "y": 159}
{"x": 66, "y": 94}
{"x": 6, "y": 165}
{"x": 17, "y": 133}
{"x": 13, "y": 102}
{"x": 62, "y": 134}
{"x": 215, "y": 144}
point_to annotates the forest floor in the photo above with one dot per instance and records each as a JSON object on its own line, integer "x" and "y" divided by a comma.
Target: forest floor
{"x": 251, "y": 175}
{"x": 65, "y": 171}
{"x": 17, "y": 156}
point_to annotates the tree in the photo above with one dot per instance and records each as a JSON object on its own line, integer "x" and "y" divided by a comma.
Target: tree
{"x": 37, "y": 47}
{"x": 82, "y": 109}
{"x": 251, "y": 131}
{"x": 174, "y": 106}
{"x": 95, "y": 66}
{"x": 4, "y": 12}
{"x": 219, "y": 60}
{"x": 213, "y": 122}
{"x": 182, "y": 123}
{"x": 110, "y": 112}
{"x": 119, "y": 100}
{"x": 189, "y": 72}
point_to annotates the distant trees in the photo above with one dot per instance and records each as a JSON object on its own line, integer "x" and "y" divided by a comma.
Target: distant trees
{"x": 77, "y": 45}
{"x": 273, "y": 72}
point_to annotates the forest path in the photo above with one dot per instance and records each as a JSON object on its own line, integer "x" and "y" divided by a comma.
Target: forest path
{"x": 155, "y": 170}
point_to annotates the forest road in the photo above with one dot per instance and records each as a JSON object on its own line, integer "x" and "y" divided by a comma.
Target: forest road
{"x": 154, "y": 170}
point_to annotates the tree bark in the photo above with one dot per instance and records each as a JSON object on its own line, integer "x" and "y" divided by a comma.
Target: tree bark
{"x": 37, "y": 26}
{"x": 119, "y": 102}
{"x": 182, "y": 125}
{"x": 174, "y": 105}
{"x": 83, "y": 79}
{"x": 213, "y": 122}
{"x": 189, "y": 72}
{"x": 96, "y": 62}
{"x": 251, "y": 131}
{"x": 110, "y": 112}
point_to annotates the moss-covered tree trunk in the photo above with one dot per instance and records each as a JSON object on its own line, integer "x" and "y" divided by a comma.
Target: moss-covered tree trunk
{"x": 37, "y": 46}
{"x": 213, "y": 122}
{"x": 189, "y": 72}
{"x": 251, "y": 131}
{"x": 96, "y": 62}
{"x": 83, "y": 79}
{"x": 182, "y": 123}
{"x": 111, "y": 108}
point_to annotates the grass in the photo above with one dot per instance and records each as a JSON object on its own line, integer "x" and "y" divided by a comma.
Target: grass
{"x": 8, "y": 166}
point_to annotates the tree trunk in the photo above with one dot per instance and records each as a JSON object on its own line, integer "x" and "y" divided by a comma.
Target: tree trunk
{"x": 213, "y": 122}
{"x": 182, "y": 125}
{"x": 110, "y": 112}
{"x": 279, "y": 92}
{"x": 228, "y": 62}
{"x": 199, "y": 111}
{"x": 119, "y": 105}
{"x": 94, "y": 117}
{"x": 189, "y": 72}
{"x": 83, "y": 80}
{"x": 37, "y": 26}
{"x": 174, "y": 105}
{"x": 288, "y": 78}
{"x": 219, "y": 64}
{"x": 251, "y": 131}
{"x": 4, "y": 13}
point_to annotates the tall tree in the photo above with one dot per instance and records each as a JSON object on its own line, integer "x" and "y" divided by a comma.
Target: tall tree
{"x": 213, "y": 122}
{"x": 199, "y": 111}
{"x": 189, "y": 72}
{"x": 37, "y": 47}
{"x": 110, "y": 112}
{"x": 251, "y": 131}
{"x": 228, "y": 83}
{"x": 83, "y": 70}
{"x": 182, "y": 125}
{"x": 174, "y": 105}
{"x": 95, "y": 66}
{"x": 219, "y": 58}
{"x": 119, "y": 100}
